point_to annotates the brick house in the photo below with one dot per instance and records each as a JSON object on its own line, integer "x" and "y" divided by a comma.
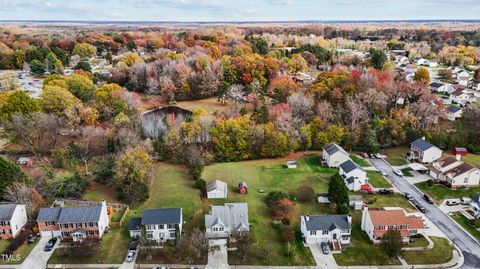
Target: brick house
{"x": 75, "y": 222}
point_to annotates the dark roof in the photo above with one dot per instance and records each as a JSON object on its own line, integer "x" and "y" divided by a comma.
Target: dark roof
{"x": 422, "y": 144}
{"x": 454, "y": 109}
{"x": 333, "y": 148}
{"x": 135, "y": 224}
{"x": 71, "y": 214}
{"x": 350, "y": 180}
{"x": 327, "y": 222}
{"x": 49, "y": 214}
{"x": 436, "y": 84}
{"x": 349, "y": 166}
{"x": 162, "y": 216}
{"x": 6, "y": 211}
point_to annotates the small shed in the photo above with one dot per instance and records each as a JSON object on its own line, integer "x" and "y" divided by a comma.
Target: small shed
{"x": 356, "y": 202}
{"x": 217, "y": 189}
{"x": 242, "y": 187}
{"x": 323, "y": 199}
{"x": 292, "y": 164}
{"x": 25, "y": 161}
{"x": 460, "y": 151}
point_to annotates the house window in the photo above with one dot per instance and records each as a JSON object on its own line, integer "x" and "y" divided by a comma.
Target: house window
{"x": 313, "y": 232}
{"x": 160, "y": 226}
{"x": 172, "y": 235}
{"x": 49, "y": 223}
{"x": 149, "y": 235}
{"x": 4, "y": 223}
{"x": 171, "y": 226}
{"x": 465, "y": 181}
{"x": 78, "y": 225}
{"x": 220, "y": 229}
{"x": 324, "y": 232}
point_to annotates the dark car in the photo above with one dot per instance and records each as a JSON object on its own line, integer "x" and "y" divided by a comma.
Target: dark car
{"x": 428, "y": 198}
{"x": 385, "y": 191}
{"x": 133, "y": 245}
{"x": 50, "y": 244}
{"x": 421, "y": 208}
{"x": 408, "y": 196}
{"x": 325, "y": 248}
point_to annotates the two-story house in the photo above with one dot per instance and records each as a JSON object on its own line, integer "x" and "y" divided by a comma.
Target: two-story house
{"x": 376, "y": 222}
{"x": 334, "y": 155}
{"x": 462, "y": 97}
{"x": 424, "y": 152}
{"x": 12, "y": 219}
{"x": 227, "y": 219}
{"x": 75, "y": 222}
{"x": 454, "y": 173}
{"x": 454, "y": 112}
{"x": 332, "y": 229}
{"x": 353, "y": 175}
{"x": 159, "y": 225}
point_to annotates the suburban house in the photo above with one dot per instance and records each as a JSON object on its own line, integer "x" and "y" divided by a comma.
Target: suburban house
{"x": 424, "y": 152}
{"x": 76, "y": 222}
{"x": 455, "y": 173}
{"x": 475, "y": 205}
{"x": 159, "y": 225}
{"x": 334, "y": 155}
{"x": 454, "y": 112}
{"x": 443, "y": 165}
{"x": 376, "y": 222}
{"x": 217, "y": 189}
{"x": 224, "y": 220}
{"x": 334, "y": 229}
{"x": 462, "y": 97}
{"x": 463, "y": 77}
{"x": 439, "y": 87}
{"x": 474, "y": 84}
{"x": 12, "y": 219}
{"x": 353, "y": 175}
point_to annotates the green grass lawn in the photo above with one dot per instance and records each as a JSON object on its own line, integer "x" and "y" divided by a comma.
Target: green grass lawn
{"x": 377, "y": 180}
{"x": 390, "y": 200}
{"x": 360, "y": 161}
{"x": 418, "y": 242}
{"x": 407, "y": 172}
{"x": 113, "y": 248}
{"x": 363, "y": 252}
{"x": 441, "y": 253}
{"x": 22, "y": 251}
{"x": 98, "y": 192}
{"x": 396, "y": 155}
{"x": 470, "y": 226}
{"x": 440, "y": 192}
{"x": 470, "y": 158}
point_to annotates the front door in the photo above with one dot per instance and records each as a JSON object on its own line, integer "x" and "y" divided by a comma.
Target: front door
{"x": 334, "y": 236}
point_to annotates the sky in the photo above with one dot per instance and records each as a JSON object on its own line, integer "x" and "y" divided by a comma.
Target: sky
{"x": 237, "y": 10}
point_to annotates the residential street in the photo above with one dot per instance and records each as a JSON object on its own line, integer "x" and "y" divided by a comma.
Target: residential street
{"x": 470, "y": 247}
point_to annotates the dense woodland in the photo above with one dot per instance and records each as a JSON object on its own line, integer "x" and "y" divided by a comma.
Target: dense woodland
{"x": 360, "y": 103}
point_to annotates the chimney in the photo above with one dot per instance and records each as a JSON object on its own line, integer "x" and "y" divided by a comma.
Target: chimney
{"x": 458, "y": 157}
{"x": 307, "y": 217}
{"x": 349, "y": 218}
{"x": 104, "y": 203}
{"x": 423, "y": 137}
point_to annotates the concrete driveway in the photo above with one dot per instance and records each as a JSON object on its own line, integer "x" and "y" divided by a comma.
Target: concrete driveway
{"x": 218, "y": 259}
{"x": 324, "y": 261}
{"x": 38, "y": 258}
{"x": 469, "y": 246}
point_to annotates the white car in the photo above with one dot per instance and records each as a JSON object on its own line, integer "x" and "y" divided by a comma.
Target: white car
{"x": 130, "y": 256}
{"x": 383, "y": 173}
{"x": 398, "y": 172}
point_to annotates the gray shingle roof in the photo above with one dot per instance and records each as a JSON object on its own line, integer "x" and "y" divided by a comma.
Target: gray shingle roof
{"x": 135, "y": 224}
{"x": 161, "y": 216}
{"x": 454, "y": 109}
{"x": 217, "y": 185}
{"x": 327, "y": 222}
{"x": 333, "y": 148}
{"x": 71, "y": 214}
{"x": 436, "y": 84}
{"x": 422, "y": 144}
{"x": 349, "y": 166}
{"x": 6, "y": 211}
{"x": 350, "y": 180}
{"x": 233, "y": 215}
{"x": 49, "y": 214}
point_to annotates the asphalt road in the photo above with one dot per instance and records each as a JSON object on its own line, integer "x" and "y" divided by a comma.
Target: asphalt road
{"x": 470, "y": 248}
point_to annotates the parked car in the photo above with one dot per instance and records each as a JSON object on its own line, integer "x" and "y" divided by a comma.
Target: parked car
{"x": 133, "y": 245}
{"x": 452, "y": 202}
{"x": 32, "y": 238}
{"x": 398, "y": 172}
{"x": 427, "y": 198}
{"x": 50, "y": 244}
{"x": 364, "y": 155}
{"x": 372, "y": 155}
{"x": 465, "y": 200}
{"x": 130, "y": 256}
{"x": 378, "y": 156}
{"x": 408, "y": 196}
{"x": 421, "y": 208}
{"x": 383, "y": 172}
{"x": 385, "y": 191}
{"x": 325, "y": 248}
{"x": 163, "y": 267}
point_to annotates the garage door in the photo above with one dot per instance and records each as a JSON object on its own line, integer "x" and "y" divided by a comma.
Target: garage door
{"x": 46, "y": 234}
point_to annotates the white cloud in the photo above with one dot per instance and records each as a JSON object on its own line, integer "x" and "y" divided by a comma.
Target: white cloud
{"x": 280, "y": 2}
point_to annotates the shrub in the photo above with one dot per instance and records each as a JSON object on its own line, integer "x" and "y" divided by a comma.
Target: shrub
{"x": 430, "y": 183}
{"x": 305, "y": 194}
{"x": 275, "y": 196}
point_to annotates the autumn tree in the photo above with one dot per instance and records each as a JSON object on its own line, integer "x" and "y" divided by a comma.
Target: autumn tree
{"x": 81, "y": 86}
{"x": 283, "y": 210}
{"x": 297, "y": 64}
{"x": 422, "y": 75}
{"x": 281, "y": 87}
{"x": 57, "y": 100}
{"x": 133, "y": 175}
{"x": 17, "y": 103}
{"x": 244, "y": 242}
{"x": 9, "y": 173}
{"x": 84, "y": 50}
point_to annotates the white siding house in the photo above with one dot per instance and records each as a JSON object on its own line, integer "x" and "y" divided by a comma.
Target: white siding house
{"x": 424, "y": 152}
{"x": 334, "y": 155}
{"x": 12, "y": 219}
{"x": 326, "y": 228}
{"x": 354, "y": 176}
{"x": 226, "y": 219}
{"x": 160, "y": 225}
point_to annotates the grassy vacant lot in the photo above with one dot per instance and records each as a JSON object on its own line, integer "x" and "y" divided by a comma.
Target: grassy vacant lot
{"x": 112, "y": 249}
{"x": 272, "y": 175}
{"x": 211, "y": 105}
{"x": 470, "y": 226}
{"x": 360, "y": 161}
{"x": 98, "y": 192}
{"x": 377, "y": 180}
{"x": 389, "y": 200}
{"x": 441, "y": 253}
{"x": 396, "y": 155}
{"x": 440, "y": 192}
{"x": 23, "y": 252}
{"x": 362, "y": 252}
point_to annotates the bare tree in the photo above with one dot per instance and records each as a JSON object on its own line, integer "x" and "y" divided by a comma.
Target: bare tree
{"x": 22, "y": 194}
{"x": 244, "y": 242}
{"x": 92, "y": 141}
